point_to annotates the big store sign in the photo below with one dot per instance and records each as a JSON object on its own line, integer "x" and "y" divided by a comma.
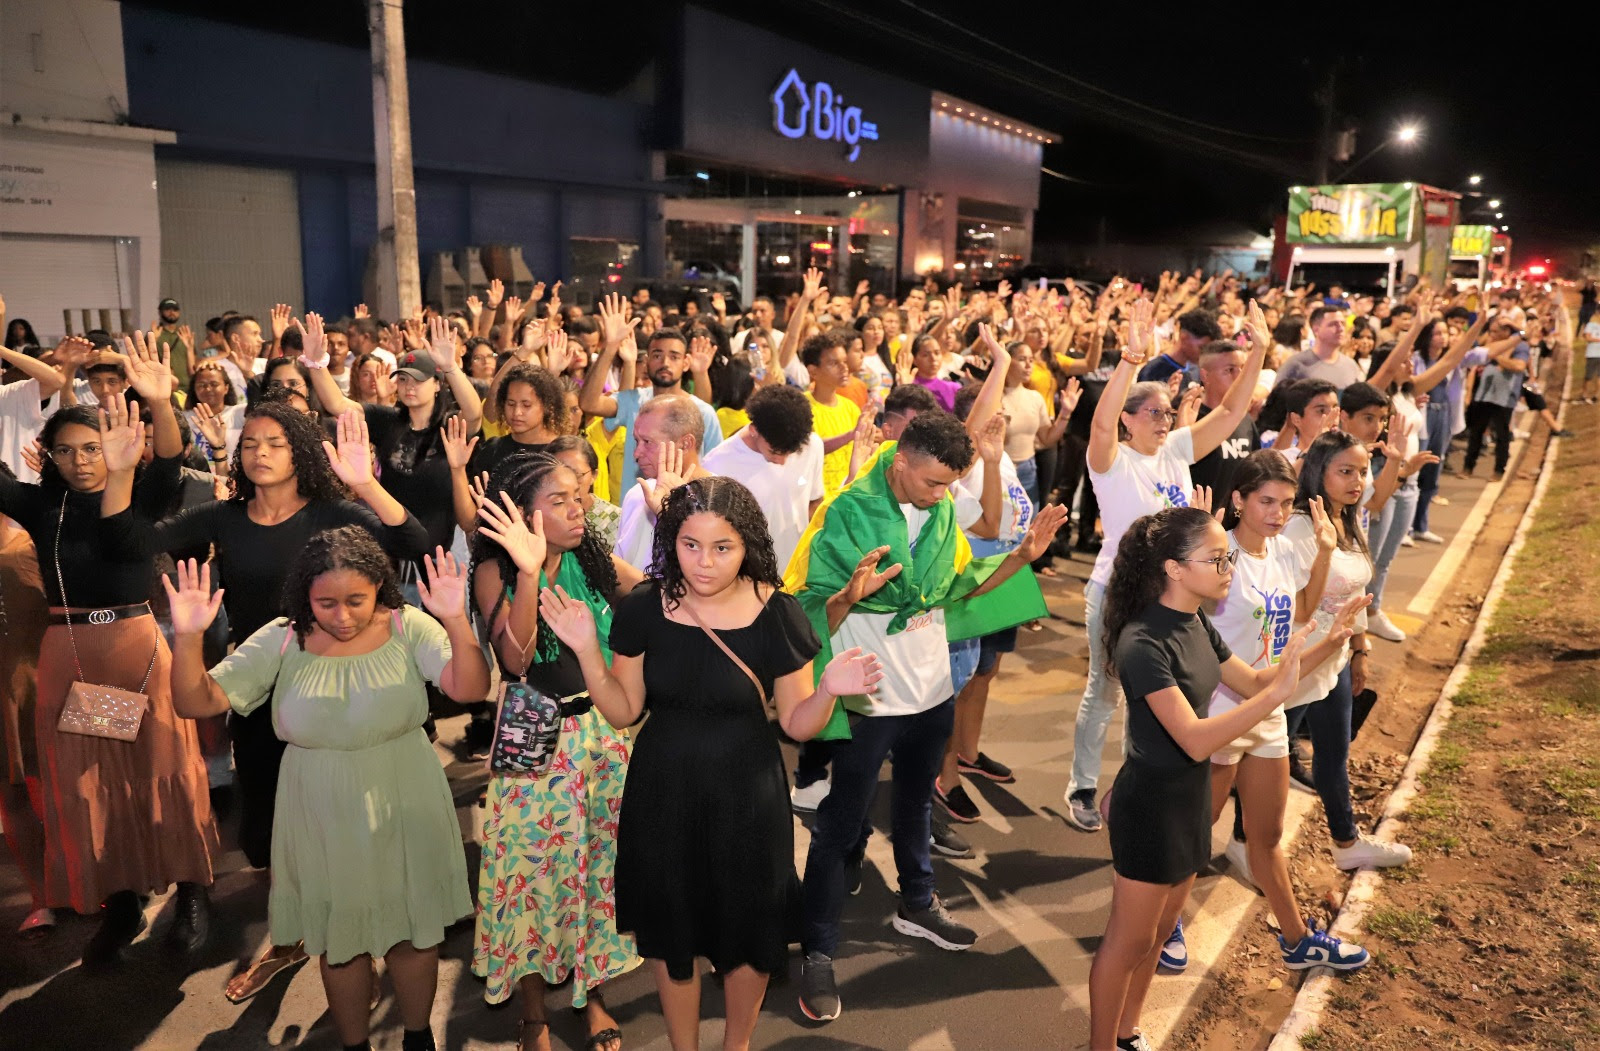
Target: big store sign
{"x": 820, "y": 112}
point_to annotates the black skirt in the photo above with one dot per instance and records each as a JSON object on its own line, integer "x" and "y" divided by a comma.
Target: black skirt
{"x": 1160, "y": 822}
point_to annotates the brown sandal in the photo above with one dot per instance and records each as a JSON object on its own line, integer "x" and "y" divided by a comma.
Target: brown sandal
{"x": 250, "y": 981}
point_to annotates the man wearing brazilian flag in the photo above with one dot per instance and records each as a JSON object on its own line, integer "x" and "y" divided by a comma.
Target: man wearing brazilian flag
{"x": 899, "y": 515}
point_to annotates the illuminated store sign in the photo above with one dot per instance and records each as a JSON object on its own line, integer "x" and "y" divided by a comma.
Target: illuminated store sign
{"x": 817, "y": 111}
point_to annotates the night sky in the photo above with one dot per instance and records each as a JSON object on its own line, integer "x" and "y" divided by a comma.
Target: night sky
{"x": 1168, "y": 123}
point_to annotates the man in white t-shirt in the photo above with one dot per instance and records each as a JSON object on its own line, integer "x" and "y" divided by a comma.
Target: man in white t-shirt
{"x": 241, "y": 334}
{"x": 778, "y": 457}
{"x": 1591, "y": 360}
{"x": 22, "y": 402}
{"x": 667, "y": 436}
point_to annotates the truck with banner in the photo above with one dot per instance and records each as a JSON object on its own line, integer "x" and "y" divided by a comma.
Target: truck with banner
{"x": 1369, "y": 237}
{"x": 1472, "y": 256}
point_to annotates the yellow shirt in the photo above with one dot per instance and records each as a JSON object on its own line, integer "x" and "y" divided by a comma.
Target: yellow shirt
{"x": 830, "y": 421}
{"x": 494, "y": 430}
{"x": 1043, "y": 380}
{"x": 732, "y": 420}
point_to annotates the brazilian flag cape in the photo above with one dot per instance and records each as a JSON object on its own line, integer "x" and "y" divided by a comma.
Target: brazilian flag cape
{"x": 939, "y": 569}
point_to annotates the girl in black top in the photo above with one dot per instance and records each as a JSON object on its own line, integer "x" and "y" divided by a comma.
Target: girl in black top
{"x": 534, "y": 535}
{"x": 122, "y": 818}
{"x": 1170, "y": 660}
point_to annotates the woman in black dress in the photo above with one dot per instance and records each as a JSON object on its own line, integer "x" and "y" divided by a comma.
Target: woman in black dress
{"x": 705, "y": 851}
{"x": 1170, "y": 660}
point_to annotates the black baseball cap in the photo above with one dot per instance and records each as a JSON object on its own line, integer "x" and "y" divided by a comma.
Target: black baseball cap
{"x": 417, "y": 365}
{"x": 168, "y": 302}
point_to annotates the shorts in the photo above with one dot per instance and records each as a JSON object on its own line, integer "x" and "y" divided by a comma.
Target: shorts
{"x": 1534, "y": 400}
{"x": 1591, "y": 369}
{"x": 992, "y": 646}
{"x": 964, "y": 656}
{"x": 1268, "y": 739}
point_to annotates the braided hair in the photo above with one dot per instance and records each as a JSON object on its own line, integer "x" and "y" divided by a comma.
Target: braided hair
{"x": 347, "y": 547}
{"x": 521, "y": 476}
{"x": 314, "y": 477}
{"x": 1139, "y": 573}
{"x": 730, "y": 500}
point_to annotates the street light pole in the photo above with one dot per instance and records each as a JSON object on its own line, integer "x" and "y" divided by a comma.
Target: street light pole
{"x": 399, "y": 284}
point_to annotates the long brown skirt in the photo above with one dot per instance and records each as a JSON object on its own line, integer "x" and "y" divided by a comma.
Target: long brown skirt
{"x": 119, "y": 815}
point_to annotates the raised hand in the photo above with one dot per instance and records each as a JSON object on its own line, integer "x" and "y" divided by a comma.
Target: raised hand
{"x": 212, "y": 427}
{"x": 1288, "y": 676}
{"x": 474, "y": 309}
{"x": 191, "y": 605}
{"x": 560, "y": 352}
{"x": 416, "y": 333}
{"x": 1344, "y": 621}
{"x": 149, "y": 374}
{"x": 280, "y": 322}
{"x": 866, "y": 581}
{"x": 497, "y": 292}
{"x": 523, "y": 540}
{"x": 1200, "y": 498}
{"x": 701, "y": 352}
{"x": 669, "y": 476}
{"x": 812, "y": 287}
{"x": 863, "y": 443}
{"x": 569, "y": 618}
{"x": 613, "y": 320}
{"x": 362, "y": 310}
{"x": 1003, "y": 290}
{"x": 991, "y": 441}
{"x": 1326, "y": 533}
{"x": 441, "y": 345}
{"x": 1141, "y": 333}
{"x": 121, "y": 435}
{"x": 862, "y": 288}
{"x": 313, "y": 339}
{"x": 444, "y": 591}
{"x": 74, "y": 351}
{"x": 457, "y": 446}
{"x": 719, "y": 304}
{"x": 351, "y": 458}
{"x": 999, "y": 356}
{"x": 480, "y": 488}
{"x": 533, "y": 340}
{"x": 1067, "y": 398}
{"x": 186, "y": 337}
{"x": 850, "y": 673}
{"x": 1189, "y": 405}
{"x": 514, "y": 309}
{"x": 1174, "y": 386}
{"x": 1256, "y": 326}
{"x": 1046, "y": 524}
{"x": 33, "y": 455}
{"x": 553, "y": 310}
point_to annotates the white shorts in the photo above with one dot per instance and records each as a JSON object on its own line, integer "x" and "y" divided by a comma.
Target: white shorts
{"x": 1268, "y": 739}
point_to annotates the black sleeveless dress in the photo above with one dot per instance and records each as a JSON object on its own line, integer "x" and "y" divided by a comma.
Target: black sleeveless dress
{"x": 705, "y": 841}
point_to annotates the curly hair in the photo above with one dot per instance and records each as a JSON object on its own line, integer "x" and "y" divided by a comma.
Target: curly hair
{"x": 729, "y": 500}
{"x": 314, "y": 478}
{"x": 347, "y": 547}
{"x": 82, "y": 415}
{"x": 1313, "y": 473}
{"x": 1139, "y": 574}
{"x": 546, "y": 386}
{"x": 275, "y": 365}
{"x": 782, "y": 415}
{"x": 521, "y": 476}
{"x": 941, "y": 436}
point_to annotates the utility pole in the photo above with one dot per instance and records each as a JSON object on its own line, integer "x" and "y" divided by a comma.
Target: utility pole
{"x": 399, "y": 270}
{"x": 1325, "y": 97}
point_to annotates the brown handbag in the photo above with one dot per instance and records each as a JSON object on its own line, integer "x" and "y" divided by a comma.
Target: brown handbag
{"x": 91, "y": 709}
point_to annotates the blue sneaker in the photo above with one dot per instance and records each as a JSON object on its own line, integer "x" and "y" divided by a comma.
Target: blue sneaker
{"x": 1320, "y": 949}
{"x": 1174, "y": 953}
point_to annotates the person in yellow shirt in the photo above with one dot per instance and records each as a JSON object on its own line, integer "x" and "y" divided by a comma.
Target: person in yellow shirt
{"x": 833, "y": 415}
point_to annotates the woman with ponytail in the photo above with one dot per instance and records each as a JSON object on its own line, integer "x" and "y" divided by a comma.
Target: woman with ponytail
{"x": 1170, "y": 660}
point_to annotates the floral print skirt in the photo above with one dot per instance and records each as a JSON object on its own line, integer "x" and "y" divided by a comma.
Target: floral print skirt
{"x": 546, "y": 902}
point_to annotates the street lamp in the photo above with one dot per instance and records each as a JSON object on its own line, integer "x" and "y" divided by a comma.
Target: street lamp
{"x": 1494, "y": 204}
{"x": 1406, "y": 134}
{"x": 1499, "y": 215}
{"x": 1474, "y": 179}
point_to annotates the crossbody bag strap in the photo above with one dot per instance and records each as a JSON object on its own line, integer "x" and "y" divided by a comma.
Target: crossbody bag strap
{"x": 66, "y": 610}
{"x": 723, "y": 646}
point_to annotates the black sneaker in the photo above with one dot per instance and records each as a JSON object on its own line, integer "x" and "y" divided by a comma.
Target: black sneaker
{"x": 1082, "y": 814}
{"x": 819, "y": 996}
{"x": 956, "y": 803}
{"x": 122, "y": 923}
{"x": 936, "y": 925}
{"x": 946, "y": 843}
{"x": 852, "y": 875}
{"x": 1300, "y": 776}
{"x": 983, "y": 766}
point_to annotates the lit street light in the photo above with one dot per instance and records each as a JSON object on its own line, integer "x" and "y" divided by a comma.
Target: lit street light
{"x": 1406, "y": 134}
{"x": 1474, "y": 179}
{"x": 1499, "y": 215}
{"x": 1494, "y": 204}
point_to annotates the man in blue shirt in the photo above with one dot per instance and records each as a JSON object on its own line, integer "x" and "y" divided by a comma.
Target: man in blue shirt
{"x": 1495, "y": 396}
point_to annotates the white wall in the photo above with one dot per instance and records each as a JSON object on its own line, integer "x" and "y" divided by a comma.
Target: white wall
{"x": 63, "y": 59}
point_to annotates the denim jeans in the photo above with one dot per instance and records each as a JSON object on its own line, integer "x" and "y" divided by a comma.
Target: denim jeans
{"x": 1102, "y": 695}
{"x": 1028, "y": 475}
{"x": 842, "y": 829}
{"x": 1385, "y": 533}
{"x": 1438, "y": 443}
{"x": 1329, "y": 720}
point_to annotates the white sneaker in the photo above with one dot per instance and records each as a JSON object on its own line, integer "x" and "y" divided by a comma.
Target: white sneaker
{"x": 1406, "y": 541}
{"x": 807, "y": 799}
{"x": 1380, "y": 625}
{"x": 1442, "y": 501}
{"x": 1367, "y": 852}
{"x": 1429, "y": 537}
{"x": 1238, "y": 856}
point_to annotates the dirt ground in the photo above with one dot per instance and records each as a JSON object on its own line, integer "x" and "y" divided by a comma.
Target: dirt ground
{"x": 1491, "y": 937}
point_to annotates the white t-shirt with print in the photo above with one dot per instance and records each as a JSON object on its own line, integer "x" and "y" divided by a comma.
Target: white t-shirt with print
{"x": 916, "y": 660}
{"x": 1139, "y": 485}
{"x": 1349, "y": 572}
{"x": 784, "y": 491}
{"x": 1016, "y": 510}
{"x": 1256, "y": 617}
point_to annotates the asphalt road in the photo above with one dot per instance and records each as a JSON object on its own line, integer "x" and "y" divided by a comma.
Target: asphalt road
{"x": 1037, "y": 891}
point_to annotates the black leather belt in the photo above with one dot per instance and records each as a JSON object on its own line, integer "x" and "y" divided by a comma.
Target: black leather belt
{"x": 102, "y": 616}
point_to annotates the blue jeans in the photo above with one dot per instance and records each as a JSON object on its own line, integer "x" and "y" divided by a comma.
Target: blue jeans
{"x": 1102, "y": 694}
{"x": 1028, "y": 475}
{"x": 1329, "y": 720}
{"x": 1438, "y": 443}
{"x": 842, "y": 829}
{"x": 1385, "y": 533}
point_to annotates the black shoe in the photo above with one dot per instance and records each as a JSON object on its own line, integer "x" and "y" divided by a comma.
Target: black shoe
{"x": 123, "y": 922}
{"x": 479, "y": 736}
{"x": 956, "y": 803}
{"x": 1089, "y": 545}
{"x": 852, "y": 875}
{"x": 946, "y": 843}
{"x": 1300, "y": 777}
{"x": 819, "y": 994}
{"x": 191, "y": 923}
{"x": 983, "y": 766}
{"x": 936, "y": 925}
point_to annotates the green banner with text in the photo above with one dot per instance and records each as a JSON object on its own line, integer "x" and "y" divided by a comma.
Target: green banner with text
{"x": 1355, "y": 214}
{"x": 1472, "y": 240}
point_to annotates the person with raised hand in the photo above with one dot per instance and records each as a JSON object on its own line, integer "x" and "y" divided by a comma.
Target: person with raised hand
{"x": 367, "y": 851}
{"x": 554, "y": 836}
{"x": 1139, "y": 464}
{"x": 122, "y": 817}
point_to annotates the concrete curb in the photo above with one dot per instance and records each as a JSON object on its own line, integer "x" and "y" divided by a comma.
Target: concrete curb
{"x": 1319, "y": 987}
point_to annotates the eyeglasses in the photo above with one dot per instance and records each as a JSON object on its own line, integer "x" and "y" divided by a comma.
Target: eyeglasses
{"x": 67, "y": 454}
{"x": 1170, "y": 415}
{"x": 1222, "y": 562}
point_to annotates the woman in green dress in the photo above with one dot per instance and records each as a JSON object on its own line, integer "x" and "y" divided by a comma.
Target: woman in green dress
{"x": 366, "y": 850}
{"x": 546, "y": 907}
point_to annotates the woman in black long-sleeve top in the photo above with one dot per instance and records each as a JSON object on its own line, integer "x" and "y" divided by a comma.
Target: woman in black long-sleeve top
{"x": 288, "y": 485}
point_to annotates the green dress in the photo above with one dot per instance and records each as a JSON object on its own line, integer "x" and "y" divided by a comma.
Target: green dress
{"x": 366, "y": 848}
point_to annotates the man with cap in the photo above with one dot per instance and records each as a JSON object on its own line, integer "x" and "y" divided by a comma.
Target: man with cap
{"x": 169, "y": 339}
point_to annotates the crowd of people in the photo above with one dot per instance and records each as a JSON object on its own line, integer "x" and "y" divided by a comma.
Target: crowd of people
{"x": 645, "y": 543}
